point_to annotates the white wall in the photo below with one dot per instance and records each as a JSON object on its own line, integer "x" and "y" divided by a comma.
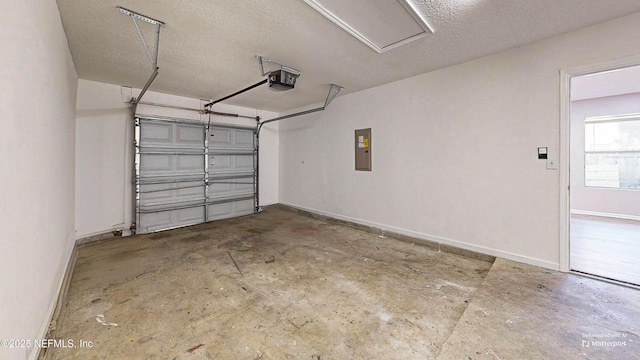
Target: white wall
{"x": 104, "y": 148}
{"x": 454, "y": 150}
{"x": 101, "y": 149}
{"x": 614, "y": 202}
{"x": 37, "y": 103}
{"x": 608, "y": 83}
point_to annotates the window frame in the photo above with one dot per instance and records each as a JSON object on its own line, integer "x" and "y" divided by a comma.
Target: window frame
{"x": 601, "y": 120}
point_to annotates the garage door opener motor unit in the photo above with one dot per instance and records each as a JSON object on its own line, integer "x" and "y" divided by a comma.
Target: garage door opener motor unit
{"x": 282, "y": 80}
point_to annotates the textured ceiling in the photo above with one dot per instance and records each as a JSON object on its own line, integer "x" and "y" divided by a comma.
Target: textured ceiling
{"x": 208, "y": 48}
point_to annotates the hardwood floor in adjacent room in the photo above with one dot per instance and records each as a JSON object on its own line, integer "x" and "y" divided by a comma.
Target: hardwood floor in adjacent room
{"x": 606, "y": 247}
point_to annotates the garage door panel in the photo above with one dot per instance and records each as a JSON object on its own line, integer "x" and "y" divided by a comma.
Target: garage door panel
{"x": 172, "y": 185}
{"x": 189, "y": 162}
{"x": 173, "y": 218}
{"x": 230, "y": 209}
{"x": 190, "y": 216}
{"x": 170, "y": 165}
{"x": 232, "y": 173}
{"x": 226, "y": 188}
{"x": 244, "y": 162}
{"x": 220, "y": 163}
{"x": 163, "y": 133}
{"x": 217, "y": 210}
{"x": 220, "y": 188}
{"x": 156, "y": 134}
{"x": 222, "y": 138}
{"x": 244, "y": 139}
{"x": 190, "y": 135}
{"x": 224, "y": 163}
{"x": 245, "y": 206}
{"x": 155, "y": 163}
{"x": 156, "y": 221}
{"x": 153, "y": 193}
{"x": 225, "y": 138}
{"x": 156, "y": 198}
{"x": 244, "y": 187}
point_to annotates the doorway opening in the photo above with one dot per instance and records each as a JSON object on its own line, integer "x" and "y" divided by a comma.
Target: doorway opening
{"x": 604, "y": 174}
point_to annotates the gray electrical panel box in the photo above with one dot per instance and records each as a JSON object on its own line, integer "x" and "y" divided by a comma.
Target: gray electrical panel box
{"x": 363, "y": 149}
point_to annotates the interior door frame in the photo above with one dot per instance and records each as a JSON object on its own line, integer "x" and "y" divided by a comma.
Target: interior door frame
{"x": 565, "y": 144}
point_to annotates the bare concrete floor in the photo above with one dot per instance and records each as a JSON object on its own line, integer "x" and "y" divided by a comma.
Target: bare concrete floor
{"x": 526, "y": 312}
{"x": 280, "y": 285}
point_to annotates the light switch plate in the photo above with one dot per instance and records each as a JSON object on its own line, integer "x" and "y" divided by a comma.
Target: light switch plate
{"x": 552, "y": 164}
{"x": 543, "y": 153}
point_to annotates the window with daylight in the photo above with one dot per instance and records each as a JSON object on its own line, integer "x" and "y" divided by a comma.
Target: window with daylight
{"x": 612, "y": 151}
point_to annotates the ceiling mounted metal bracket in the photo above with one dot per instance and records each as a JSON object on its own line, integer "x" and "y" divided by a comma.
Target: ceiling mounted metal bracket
{"x": 262, "y": 60}
{"x": 151, "y": 53}
{"x": 333, "y": 92}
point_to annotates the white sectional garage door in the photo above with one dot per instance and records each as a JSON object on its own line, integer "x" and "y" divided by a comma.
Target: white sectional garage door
{"x": 232, "y": 186}
{"x": 187, "y": 173}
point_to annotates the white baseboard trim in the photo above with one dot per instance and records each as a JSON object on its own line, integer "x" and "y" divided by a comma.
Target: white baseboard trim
{"x": 98, "y": 234}
{"x": 434, "y": 238}
{"x": 95, "y": 238}
{"x": 605, "y": 214}
{"x": 56, "y": 301}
